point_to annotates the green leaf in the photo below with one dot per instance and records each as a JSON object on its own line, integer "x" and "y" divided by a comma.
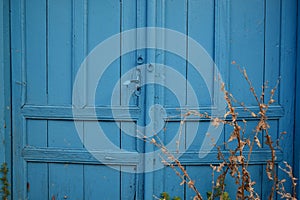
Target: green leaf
{"x": 209, "y": 195}
{"x": 225, "y": 196}
{"x": 165, "y": 196}
{"x": 176, "y": 198}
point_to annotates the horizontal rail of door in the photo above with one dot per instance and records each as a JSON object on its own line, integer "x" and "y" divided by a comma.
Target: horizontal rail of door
{"x": 105, "y": 113}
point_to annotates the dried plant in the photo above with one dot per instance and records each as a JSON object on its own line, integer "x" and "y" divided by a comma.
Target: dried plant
{"x": 280, "y": 185}
{"x": 4, "y": 190}
{"x": 236, "y": 164}
{"x": 170, "y": 160}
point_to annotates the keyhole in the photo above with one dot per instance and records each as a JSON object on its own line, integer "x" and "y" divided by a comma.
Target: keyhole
{"x": 140, "y": 60}
{"x": 137, "y": 92}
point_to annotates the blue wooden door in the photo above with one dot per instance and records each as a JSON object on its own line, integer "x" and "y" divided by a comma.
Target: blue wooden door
{"x": 53, "y": 153}
{"x": 50, "y": 40}
{"x": 259, "y": 36}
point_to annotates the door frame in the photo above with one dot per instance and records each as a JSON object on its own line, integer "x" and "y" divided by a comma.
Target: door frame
{"x": 297, "y": 106}
{"x": 5, "y": 88}
{"x": 5, "y": 91}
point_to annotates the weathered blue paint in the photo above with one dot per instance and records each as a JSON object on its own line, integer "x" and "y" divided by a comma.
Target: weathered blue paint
{"x": 5, "y": 90}
{"x": 288, "y": 58}
{"x": 149, "y": 101}
{"x": 297, "y": 108}
{"x": 17, "y": 84}
{"x": 49, "y": 40}
{"x": 61, "y": 34}
{"x": 259, "y": 36}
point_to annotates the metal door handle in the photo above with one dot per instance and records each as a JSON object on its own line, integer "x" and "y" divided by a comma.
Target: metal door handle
{"x": 136, "y": 80}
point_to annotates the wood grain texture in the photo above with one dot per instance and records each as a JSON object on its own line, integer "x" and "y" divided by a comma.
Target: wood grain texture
{"x": 51, "y": 38}
{"x": 5, "y": 88}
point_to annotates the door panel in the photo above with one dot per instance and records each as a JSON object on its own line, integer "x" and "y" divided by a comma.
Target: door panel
{"x": 51, "y": 161}
{"x": 254, "y": 36}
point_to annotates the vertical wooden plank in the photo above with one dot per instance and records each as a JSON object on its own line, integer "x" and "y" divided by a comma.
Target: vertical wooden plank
{"x": 195, "y": 137}
{"x": 266, "y": 184}
{"x": 35, "y": 61}
{"x": 172, "y": 183}
{"x": 63, "y": 134}
{"x": 36, "y": 52}
{"x": 128, "y": 61}
{"x": 5, "y": 87}
{"x": 173, "y": 132}
{"x": 297, "y": 110}
{"x": 3, "y": 48}
{"x": 158, "y": 94}
{"x": 37, "y": 173}
{"x": 128, "y": 142}
{"x": 222, "y": 46}
{"x": 128, "y": 139}
{"x": 202, "y": 179}
{"x": 103, "y": 22}
{"x": 65, "y": 181}
{"x": 79, "y": 32}
{"x": 59, "y": 52}
{"x": 173, "y": 15}
{"x": 37, "y": 183}
{"x": 4, "y": 63}
{"x": 176, "y": 19}
{"x": 272, "y": 45}
{"x": 170, "y": 15}
{"x": 231, "y": 186}
{"x": 201, "y": 22}
{"x": 160, "y": 53}
{"x": 247, "y": 48}
{"x": 141, "y": 21}
{"x": 222, "y": 38}
{"x": 149, "y": 188}
{"x": 158, "y": 181}
{"x": 79, "y": 47}
{"x": 288, "y": 85}
{"x": 192, "y": 136}
{"x": 101, "y": 182}
{"x": 128, "y": 183}
{"x": 17, "y": 62}
{"x": 201, "y": 25}
{"x": 111, "y": 131}
{"x": 36, "y": 133}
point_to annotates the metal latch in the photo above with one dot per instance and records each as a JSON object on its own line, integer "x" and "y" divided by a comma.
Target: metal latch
{"x": 135, "y": 81}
